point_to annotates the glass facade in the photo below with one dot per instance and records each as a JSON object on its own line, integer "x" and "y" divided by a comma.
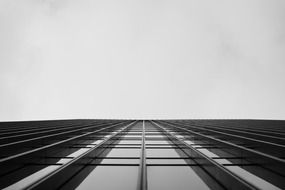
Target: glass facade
{"x": 142, "y": 154}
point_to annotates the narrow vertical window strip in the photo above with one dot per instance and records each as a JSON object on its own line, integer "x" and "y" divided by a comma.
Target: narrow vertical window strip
{"x": 142, "y": 181}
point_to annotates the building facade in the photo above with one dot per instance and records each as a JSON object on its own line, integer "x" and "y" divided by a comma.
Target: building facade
{"x": 142, "y": 154}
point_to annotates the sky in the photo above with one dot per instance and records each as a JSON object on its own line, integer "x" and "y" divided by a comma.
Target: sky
{"x": 144, "y": 59}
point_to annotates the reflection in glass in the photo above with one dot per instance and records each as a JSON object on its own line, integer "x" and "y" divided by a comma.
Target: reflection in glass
{"x": 130, "y": 142}
{"x": 166, "y": 161}
{"x": 121, "y": 152}
{"x": 155, "y": 136}
{"x": 120, "y": 161}
{"x": 156, "y": 142}
{"x": 173, "y": 177}
{"x": 162, "y": 153}
{"x": 255, "y": 180}
{"x": 111, "y": 178}
{"x": 24, "y": 183}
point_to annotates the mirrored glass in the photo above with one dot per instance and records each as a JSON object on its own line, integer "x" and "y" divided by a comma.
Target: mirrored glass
{"x": 155, "y": 136}
{"x": 166, "y": 161}
{"x": 111, "y": 178}
{"x": 121, "y": 152}
{"x": 156, "y": 142}
{"x": 173, "y": 177}
{"x": 120, "y": 161}
{"x": 130, "y": 142}
{"x": 161, "y": 153}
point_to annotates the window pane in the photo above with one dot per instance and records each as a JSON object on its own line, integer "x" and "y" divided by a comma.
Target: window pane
{"x": 122, "y": 152}
{"x": 120, "y": 161}
{"x": 156, "y": 142}
{"x": 159, "y": 146}
{"x": 166, "y": 161}
{"x": 161, "y": 153}
{"x": 132, "y": 136}
{"x": 130, "y": 142}
{"x": 127, "y": 145}
{"x": 155, "y": 136}
{"x": 111, "y": 178}
{"x": 173, "y": 177}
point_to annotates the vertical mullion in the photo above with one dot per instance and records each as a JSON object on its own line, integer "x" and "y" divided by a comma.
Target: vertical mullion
{"x": 142, "y": 181}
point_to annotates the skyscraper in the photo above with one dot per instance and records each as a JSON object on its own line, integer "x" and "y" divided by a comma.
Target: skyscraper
{"x": 142, "y": 154}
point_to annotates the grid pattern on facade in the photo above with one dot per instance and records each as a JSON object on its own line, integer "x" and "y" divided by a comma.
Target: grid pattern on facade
{"x": 142, "y": 154}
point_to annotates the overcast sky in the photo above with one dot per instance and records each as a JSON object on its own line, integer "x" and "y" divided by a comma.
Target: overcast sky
{"x": 142, "y": 59}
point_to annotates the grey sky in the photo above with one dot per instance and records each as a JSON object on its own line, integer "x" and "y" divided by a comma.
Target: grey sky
{"x": 142, "y": 59}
